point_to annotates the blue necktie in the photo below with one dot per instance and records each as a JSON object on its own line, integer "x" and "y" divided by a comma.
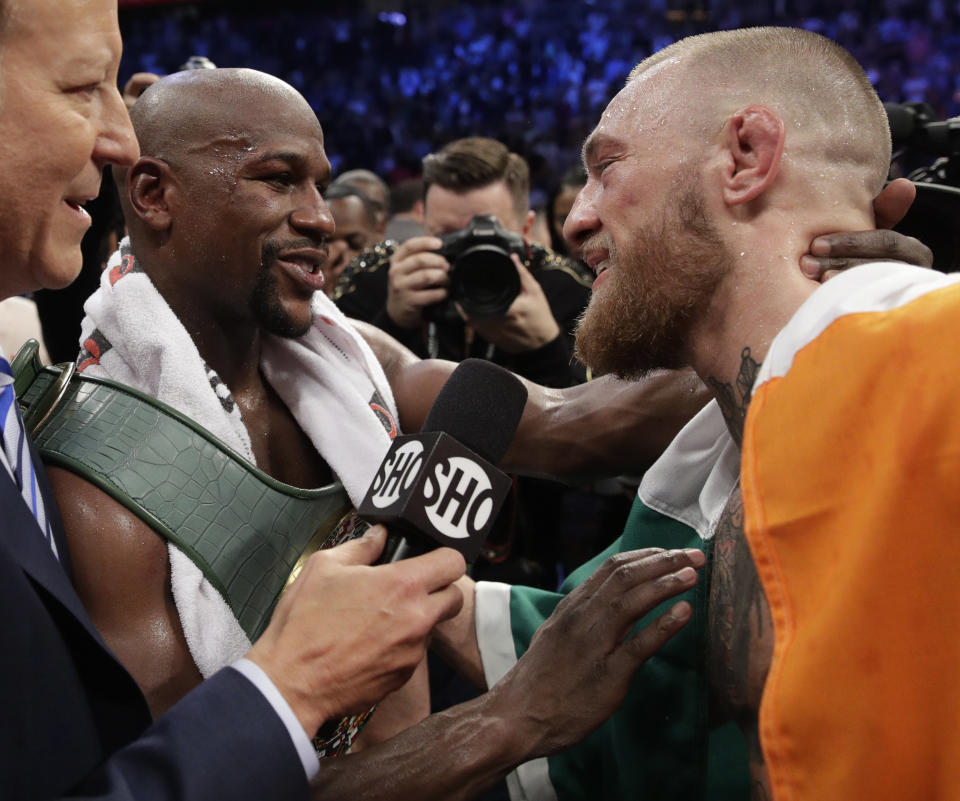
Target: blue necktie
{"x": 18, "y": 454}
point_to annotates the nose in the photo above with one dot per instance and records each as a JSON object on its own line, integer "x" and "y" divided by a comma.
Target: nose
{"x": 312, "y": 216}
{"x": 582, "y": 221}
{"x": 116, "y": 142}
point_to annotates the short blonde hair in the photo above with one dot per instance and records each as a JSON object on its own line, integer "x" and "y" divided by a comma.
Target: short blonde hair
{"x": 812, "y": 82}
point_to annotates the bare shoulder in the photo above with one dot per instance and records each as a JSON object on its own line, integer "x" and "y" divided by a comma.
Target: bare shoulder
{"x": 414, "y": 382}
{"x": 121, "y": 572}
{"x": 109, "y": 544}
{"x": 392, "y": 355}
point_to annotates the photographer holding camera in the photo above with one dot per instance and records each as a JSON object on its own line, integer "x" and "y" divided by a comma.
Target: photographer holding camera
{"x": 474, "y": 286}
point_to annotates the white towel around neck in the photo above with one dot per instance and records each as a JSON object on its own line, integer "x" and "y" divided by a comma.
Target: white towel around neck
{"x": 329, "y": 379}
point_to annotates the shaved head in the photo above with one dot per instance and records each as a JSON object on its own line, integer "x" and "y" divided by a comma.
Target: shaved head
{"x": 831, "y": 111}
{"x": 708, "y": 175}
{"x": 212, "y": 110}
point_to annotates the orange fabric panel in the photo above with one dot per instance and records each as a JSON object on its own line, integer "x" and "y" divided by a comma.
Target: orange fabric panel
{"x": 851, "y": 489}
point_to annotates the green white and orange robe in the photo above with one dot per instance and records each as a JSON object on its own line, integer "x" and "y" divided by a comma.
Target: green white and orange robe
{"x": 657, "y": 745}
{"x": 851, "y": 491}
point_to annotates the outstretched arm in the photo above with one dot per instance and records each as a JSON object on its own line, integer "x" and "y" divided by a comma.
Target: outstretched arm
{"x": 609, "y": 427}
{"x": 605, "y": 427}
{"x": 570, "y": 680}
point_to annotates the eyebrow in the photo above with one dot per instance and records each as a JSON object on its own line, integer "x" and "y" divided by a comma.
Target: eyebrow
{"x": 95, "y": 58}
{"x": 594, "y": 142}
{"x": 296, "y": 160}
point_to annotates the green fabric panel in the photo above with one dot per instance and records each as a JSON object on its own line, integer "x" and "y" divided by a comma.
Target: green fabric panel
{"x": 656, "y": 744}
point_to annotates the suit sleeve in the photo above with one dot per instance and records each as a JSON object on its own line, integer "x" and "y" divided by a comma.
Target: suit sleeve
{"x": 223, "y": 740}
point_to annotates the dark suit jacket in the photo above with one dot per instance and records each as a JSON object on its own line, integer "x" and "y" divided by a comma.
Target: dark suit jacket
{"x": 74, "y": 723}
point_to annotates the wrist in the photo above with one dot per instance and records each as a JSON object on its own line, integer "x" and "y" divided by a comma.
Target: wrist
{"x": 511, "y": 712}
{"x": 490, "y": 724}
{"x": 303, "y": 705}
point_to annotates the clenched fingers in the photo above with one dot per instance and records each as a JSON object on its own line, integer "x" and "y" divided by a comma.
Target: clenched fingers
{"x": 423, "y": 278}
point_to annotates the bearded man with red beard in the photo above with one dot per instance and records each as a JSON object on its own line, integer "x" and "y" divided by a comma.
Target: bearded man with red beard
{"x": 708, "y": 175}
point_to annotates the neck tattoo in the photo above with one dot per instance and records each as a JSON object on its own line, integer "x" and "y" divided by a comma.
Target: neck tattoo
{"x": 734, "y": 399}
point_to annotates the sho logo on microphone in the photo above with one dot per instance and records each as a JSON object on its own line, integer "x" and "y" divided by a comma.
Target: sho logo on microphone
{"x": 458, "y": 497}
{"x": 397, "y": 474}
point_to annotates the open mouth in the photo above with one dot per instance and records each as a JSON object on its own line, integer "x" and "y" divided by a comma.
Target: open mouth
{"x": 77, "y": 207}
{"x": 304, "y": 266}
{"x": 312, "y": 268}
{"x": 596, "y": 259}
{"x": 601, "y": 270}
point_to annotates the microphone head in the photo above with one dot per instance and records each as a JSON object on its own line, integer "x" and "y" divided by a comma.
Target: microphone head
{"x": 480, "y": 405}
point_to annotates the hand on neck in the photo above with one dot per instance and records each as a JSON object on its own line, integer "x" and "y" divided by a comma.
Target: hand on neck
{"x": 757, "y": 299}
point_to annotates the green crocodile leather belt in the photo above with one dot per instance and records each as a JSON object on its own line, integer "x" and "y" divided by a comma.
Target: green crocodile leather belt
{"x": 245, "y": 530}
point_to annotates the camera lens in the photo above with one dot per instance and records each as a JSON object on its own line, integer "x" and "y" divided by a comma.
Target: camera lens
{"x": 484, "y": 280}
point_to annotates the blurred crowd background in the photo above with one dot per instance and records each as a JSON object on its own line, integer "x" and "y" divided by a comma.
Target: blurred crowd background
{"x": 391, "y": 82}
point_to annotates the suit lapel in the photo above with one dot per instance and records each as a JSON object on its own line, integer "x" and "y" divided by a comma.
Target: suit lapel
{"x": 30, "y": 549}
{"x": 52, "y": 510}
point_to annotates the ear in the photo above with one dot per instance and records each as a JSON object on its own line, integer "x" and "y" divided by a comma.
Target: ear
{"x": 753, "y": 138}
{"x": 528, "y": 224}
{"x": 148, "y": 185}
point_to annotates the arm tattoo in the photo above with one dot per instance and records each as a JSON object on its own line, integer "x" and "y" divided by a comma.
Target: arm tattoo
{"x": 735, "y": 398}
{"x": 734, "y": 605}
{"x": 740, "y": 634}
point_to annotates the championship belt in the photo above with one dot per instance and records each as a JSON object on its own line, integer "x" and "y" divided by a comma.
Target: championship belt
{"x": 247, "y": 532}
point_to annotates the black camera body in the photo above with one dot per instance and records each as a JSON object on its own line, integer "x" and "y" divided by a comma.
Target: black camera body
{"x": 917, "y": 136}
{"x": 483, "y": 278}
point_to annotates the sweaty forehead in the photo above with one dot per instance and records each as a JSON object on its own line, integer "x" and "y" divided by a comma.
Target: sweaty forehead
{"x": 650, "y": 103}
{"x": 246, "y": 124}
{"x": 233, "y": 111}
